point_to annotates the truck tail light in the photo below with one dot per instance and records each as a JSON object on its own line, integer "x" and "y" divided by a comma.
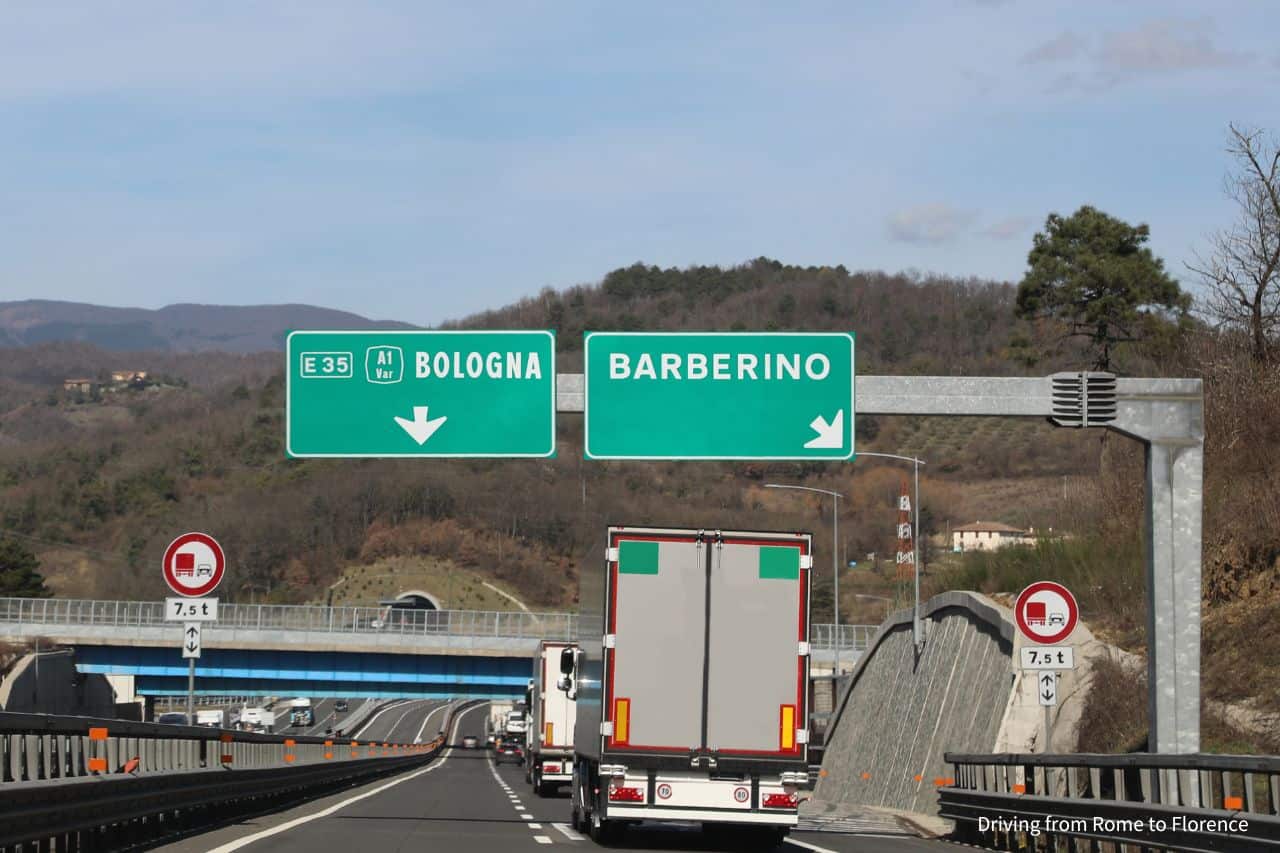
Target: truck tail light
{"x": 787, "y": 728}
{"x": 621, "y": 720}
{"x": 626, "y": 795}
{"x": 551, "y": 767}
{"x": 780, "y": 801}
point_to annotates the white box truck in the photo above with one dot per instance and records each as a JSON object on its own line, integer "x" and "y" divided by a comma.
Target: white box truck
{"x": 692, "y": 679}
{"x": 549, "y": 751}
{"x": 211, "y": 717}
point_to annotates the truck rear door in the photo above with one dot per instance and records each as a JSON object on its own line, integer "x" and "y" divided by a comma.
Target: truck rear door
{"x": 757, "y": 671}
{"x": 657, "y": 588}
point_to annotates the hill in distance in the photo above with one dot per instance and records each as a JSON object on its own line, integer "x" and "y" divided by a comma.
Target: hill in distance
{"x": 174, "y": 328}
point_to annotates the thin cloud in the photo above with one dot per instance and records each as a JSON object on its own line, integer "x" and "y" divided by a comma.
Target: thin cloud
{"x": 1062, "y": 47}
{"x": 929, "y": 224}
{"x": 1009, "y": 228}
{"x": 1166, "y": 45}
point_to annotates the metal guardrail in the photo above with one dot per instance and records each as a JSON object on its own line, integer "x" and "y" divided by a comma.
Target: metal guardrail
{"x": 34, "y": 614}
{"x": 1191, "y": 802}
{"x": 71, "y": 783}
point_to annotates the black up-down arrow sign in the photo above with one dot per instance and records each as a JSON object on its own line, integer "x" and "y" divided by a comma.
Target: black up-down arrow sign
{"x": 192, "y": 632}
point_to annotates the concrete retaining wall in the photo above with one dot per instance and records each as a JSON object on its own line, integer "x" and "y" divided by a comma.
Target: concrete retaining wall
{"x": 901, "y": 711}
{"x": 48, "y": 683}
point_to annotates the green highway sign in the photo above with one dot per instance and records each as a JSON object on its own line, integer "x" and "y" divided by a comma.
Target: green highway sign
{"x": 719, "y": 395}
{"x": 429, "y": 393}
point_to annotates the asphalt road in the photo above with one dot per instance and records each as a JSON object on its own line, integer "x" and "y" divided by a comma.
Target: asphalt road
{"x": 463, "y": 801}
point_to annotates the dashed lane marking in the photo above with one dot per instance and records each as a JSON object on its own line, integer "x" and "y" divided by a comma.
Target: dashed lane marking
{"x": 542, "y": 839}
{"x": 288, "y": 825}
{"x": 568, "y": 833}
{"x": 804, "y": 845}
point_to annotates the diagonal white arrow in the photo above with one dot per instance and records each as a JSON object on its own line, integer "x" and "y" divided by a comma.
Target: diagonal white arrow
{"x": 830, "y": 435}
{"x": 420, "y": 429}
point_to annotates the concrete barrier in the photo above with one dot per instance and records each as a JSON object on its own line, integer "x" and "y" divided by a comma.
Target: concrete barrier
{"x": 902, "y": 710}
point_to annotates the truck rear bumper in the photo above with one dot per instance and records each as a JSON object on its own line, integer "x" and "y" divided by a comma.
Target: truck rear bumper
{"x": 621, "y": 812}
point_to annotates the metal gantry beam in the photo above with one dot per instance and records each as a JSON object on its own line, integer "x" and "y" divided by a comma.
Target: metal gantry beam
{"x": 1167, "y": 416}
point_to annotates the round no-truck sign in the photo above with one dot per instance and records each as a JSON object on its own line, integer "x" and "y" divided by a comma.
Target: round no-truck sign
{"x": 1046, "y": 612}
{"x": 194, "y": 565}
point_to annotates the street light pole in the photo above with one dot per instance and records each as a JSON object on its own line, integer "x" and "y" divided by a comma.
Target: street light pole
{"x": 916, "y": 634}
{"x": 835, "y": 555}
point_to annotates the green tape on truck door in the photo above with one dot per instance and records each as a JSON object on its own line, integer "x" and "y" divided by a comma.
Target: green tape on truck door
{"x": 779, "y": 563}
{"x": 638, "y": 558}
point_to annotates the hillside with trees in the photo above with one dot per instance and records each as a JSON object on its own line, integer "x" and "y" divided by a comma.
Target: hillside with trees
{"x": 98, "y": 486}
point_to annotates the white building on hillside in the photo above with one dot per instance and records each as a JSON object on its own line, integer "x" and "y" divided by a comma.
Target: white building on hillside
{"x": 988, "y": 536}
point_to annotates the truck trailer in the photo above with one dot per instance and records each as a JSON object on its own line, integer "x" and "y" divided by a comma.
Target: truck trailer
{"x": 549, "y": 749}
{"x": 692, "y": 680}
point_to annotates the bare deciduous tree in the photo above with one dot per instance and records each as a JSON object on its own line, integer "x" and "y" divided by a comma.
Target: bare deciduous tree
{"x": 1242, "y": 271}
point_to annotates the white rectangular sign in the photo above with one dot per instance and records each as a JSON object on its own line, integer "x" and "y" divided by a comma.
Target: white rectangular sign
{"x": 191, "y": 640}
{"x": 1048, "y": 657}
{"x": 191, "y": 609}
{"x": 1047, "y": 687}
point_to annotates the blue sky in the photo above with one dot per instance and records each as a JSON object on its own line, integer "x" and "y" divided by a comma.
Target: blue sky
{"x": 421, "y": 162}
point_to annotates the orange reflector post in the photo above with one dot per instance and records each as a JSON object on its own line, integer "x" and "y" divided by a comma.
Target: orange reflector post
{"x": 290, "y": 742}
{"x": 328, "y": 743}
{"x": 227, "y": 758}
{"x": 822, "y": 773}
{"x": 1019, "y": 788}
{"x": 225, "y": 738}
{"x": 97, "y": 733}
{"x": 621, "y": 720}
{"x": 98, "y": 765}
{"x": 938, "y": 781}
{"x": 787, "y": 728}
{"x": 866, "y": 775}
{"x": 289, "y": 757}
{"x": 328, "y": 755}
{"x": 1234, "y": 804}
{"x": 949, "y": 781}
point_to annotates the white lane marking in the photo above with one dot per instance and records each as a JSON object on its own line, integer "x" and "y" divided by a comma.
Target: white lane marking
{"x": 526, "y": 817}
{"x": 418, "y": 737}
{"x": 535, "y": 826}
{"x": 369, "y": 722}
{"x": 410, "y": 710}
{"x": 542, "y": 839}
{"x": 804, "y": 845}
{"x": 298, "y": 821}
{"x": 567, "y": 832}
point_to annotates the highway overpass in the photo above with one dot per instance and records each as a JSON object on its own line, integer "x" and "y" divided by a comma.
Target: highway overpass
{"x": 348, "y": 651}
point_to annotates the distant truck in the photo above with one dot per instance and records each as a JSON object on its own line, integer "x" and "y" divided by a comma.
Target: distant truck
{"x": 692, "y": 679}
{"x": 301, "y": 713}
{"x": 213, "y": 718}
{"x": 516, "y": 723}
{"x": 496, "y": 725}
{"x": 552, "y": 713}
{"x": 258, "y": 720}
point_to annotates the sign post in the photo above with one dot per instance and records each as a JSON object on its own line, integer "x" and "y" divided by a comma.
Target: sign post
{"x": 194, "y": 564}
{"x": 1046, "y": 613}
{"x": 718, "y": 395}
{"x": 420, "y": 393}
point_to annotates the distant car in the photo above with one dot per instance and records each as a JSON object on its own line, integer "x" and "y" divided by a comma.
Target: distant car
{"x": 173, "y": 718}
{"x": 470, "y": 741}
{"x": 340, "y": 706}
{"x": 509, "y": 749}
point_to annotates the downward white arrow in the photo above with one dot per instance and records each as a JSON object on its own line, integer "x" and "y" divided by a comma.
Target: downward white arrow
{"x": 420, "y": 429}
{"x": 830, "y": 435}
